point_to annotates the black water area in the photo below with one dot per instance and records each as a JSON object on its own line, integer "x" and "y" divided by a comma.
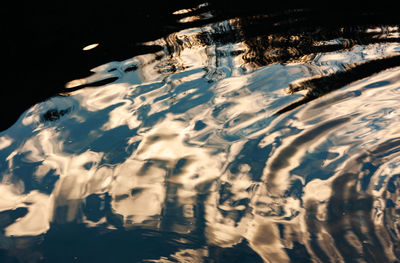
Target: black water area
{"x": 200, "y": 132}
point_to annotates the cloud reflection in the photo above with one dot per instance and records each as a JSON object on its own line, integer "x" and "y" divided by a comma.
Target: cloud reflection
{"x": 36, "y": 221}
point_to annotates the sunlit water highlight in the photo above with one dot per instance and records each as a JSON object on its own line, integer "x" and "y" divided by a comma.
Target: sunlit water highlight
{"x": 219, "y": 148}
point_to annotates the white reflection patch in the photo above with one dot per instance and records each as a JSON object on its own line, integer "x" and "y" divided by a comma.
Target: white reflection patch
{"x": 91, "y": 46}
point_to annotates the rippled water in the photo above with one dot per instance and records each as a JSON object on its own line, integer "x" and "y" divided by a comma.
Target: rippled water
{"x": 251, "y": 138}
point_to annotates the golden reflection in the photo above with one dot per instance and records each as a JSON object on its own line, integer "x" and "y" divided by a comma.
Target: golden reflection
{"x": 91, "y": 46}
{"x": 91, "y": 80}
{"x": 184, "y": 255}
{"x": 75, "y": 83}
{"x": 95, "y": 100}
{"x": 221, "y": 230}
{"x": 318, "y": 191}
{"x": 290, "y": 154}
{"x": 5, "y": 141}
{"x": 11, "y": 198}
{"x": 264, "y": 238}
{"x": 188, "y": 10}
{"x": 166, "y": 142}
{"x": 203, "y": 16}
{"x": 122, "y": 116}
{"x": 182, "y": 11}
{"x": 138, "y": 195}
{"x": 36, "y": 221}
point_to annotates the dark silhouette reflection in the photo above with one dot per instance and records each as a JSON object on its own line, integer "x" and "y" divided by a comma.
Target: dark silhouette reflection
{"x": 54, "y": 114}
{"x": 8, "y": 217}
{"x": 290, "y": 36}
{"x": 320, "y": 86}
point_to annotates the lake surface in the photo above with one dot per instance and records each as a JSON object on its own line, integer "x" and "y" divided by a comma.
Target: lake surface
{"x": 243, "y": 136}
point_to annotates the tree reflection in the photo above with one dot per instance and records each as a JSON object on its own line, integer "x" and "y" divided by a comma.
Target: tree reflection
{"x": 297, "y": 36}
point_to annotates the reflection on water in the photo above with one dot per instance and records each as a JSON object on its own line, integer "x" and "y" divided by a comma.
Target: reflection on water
{"x": 235, "y": 143}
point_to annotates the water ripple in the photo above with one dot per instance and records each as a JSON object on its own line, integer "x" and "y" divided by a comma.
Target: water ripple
{"x": 239, "y": 140}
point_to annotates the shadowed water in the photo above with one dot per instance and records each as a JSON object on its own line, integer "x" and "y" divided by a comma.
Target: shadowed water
{"x": 270, "y": 136}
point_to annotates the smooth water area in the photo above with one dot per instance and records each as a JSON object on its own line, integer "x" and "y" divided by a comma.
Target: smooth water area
{"x": 245, "y": 139}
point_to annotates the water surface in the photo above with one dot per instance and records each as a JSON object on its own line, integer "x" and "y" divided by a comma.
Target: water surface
{"x": 270, "y": 136}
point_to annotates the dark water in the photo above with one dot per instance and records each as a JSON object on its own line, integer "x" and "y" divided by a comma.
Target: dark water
{"x": 245, "y": 136}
